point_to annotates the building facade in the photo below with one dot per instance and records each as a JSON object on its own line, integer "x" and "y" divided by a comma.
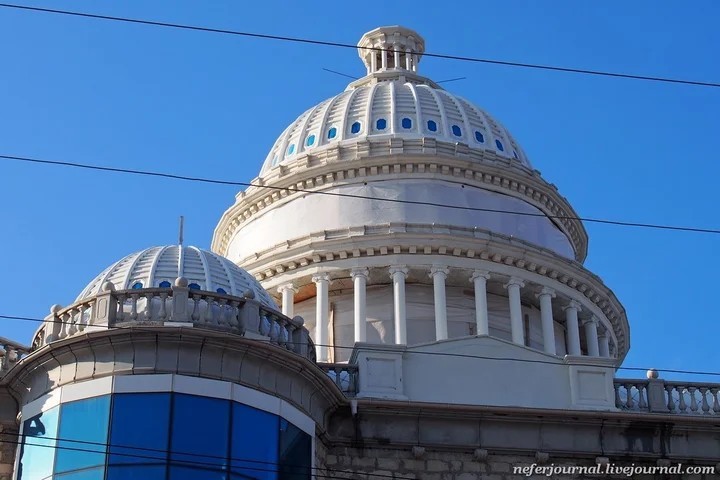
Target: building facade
{"x": 435, "y": 322}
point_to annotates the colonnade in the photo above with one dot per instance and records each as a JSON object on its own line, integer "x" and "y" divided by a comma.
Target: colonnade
{"x": 597, "y": 338}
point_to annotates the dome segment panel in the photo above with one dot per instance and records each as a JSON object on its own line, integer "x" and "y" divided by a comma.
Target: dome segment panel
{"x": 159, "y": 267}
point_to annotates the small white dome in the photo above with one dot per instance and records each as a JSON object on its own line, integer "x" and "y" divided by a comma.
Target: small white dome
{"x": 159, "y": 267}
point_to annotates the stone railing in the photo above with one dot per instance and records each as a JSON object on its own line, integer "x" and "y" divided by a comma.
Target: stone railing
{"x": 344, "y": 376}
{"x": 10, "y": 353}
{"x": 176, "y": 306}
{"x": 660, "y": 396}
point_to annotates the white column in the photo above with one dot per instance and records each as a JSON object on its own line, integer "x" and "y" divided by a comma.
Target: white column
{"x": 479, "y": 279}
{"x": 604, "y": 340}
{"x": 322, "y": 284}
{"x": 516, "y": 321}
{"x": 439, "y": 274}
{"x": 396, "y": 57}
{"x": 408, "y": 59}
{"x": 373, "y": 60}
{"x": 591, "y": 336}
{"x": 414, "y": 62}
{"x": 398, "y": 273}
{"x": 288, "y": 299}
{"x": 360, "y": 276}
{"x": 546, "y": 317}
{"x": 383, "y": 58}
{"x": 573, "y": 329}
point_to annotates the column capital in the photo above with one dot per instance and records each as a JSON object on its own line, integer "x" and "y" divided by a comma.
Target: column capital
{"x": 320, "y": 277}
{"x": 287, "y": 286}
{"x": 592, "y": 319}
{"x": 480, "y": 274}
{"x": 439, "y": 270}
{"x": 359, "y": 272}
{"x": 573, "y": 304}
{"x": 514, "y": 281}
{"x": 546, "y": 291}
{"x": 398, "y": 269}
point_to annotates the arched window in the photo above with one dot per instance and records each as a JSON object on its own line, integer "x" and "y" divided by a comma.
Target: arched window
{"x": 165, "y": 284}
{"x": 137, "y": 285}
{"x": 310, "y": 140}
{"x": 456, "y": 131}
{"x": 432, "y": 126}
{"x": 291, "y": 149}
{"x": 194, "y": 286}
{"x": 499, "y": 145}
{"x": 406, "y": 123}
{"x": 355, "y": 128}
{"x": 221, "y": 291}
{"x": 479, "y": 137}
{"x": 332, "y": 133}
{"x": 381, "y": 124}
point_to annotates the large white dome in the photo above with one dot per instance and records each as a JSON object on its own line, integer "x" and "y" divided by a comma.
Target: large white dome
{"x": 393, "y": 108}
{"x": 159, "y": 267}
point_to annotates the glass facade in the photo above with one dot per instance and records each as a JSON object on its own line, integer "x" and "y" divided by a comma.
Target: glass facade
{"x": 162, "y": 436}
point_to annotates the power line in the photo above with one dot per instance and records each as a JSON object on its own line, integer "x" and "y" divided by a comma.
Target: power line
{"x": 348, "y": 45}
{"x": 362, "y": 197}
{"x": 380, "y": 349}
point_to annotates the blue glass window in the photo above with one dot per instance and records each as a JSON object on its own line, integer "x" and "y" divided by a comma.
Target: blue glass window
{"x": 295, "y": 452}
{"x": 456, "y": 131}
{"x": 255, "y": 436}
{"x": 432, "y": 126}
{"x": 165, "y": 284}
{"x": 198, "y": 441}
{"x": 355, "y": 128}
{"x": 381, "y": 124}
{"x": 275, "y": 160}
{"x": 406, "y": 123}
{"x": 83, "y": 430}
{"x": 499, "y": 145}
{"x": 479, "y": 137}
{"x": 515, "y": 154}
{"x": 97, "y": 473}
{"x": 37, "y": 452}
{"x": 291, "y": 149}
{"x": 310, "y": 141}
{"x": 137, "y": 286}
{"x": 194, "y": 286}
{"x": 221, "y": 291}
{"x": 332, "y": 133}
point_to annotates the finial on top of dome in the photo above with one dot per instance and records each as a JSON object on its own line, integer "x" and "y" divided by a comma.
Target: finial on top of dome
{"x": 391, "y": 48}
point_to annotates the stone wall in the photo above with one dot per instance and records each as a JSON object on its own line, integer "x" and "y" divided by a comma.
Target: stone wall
{"x": 8, "y": 447}
{"x": 418, "y": 464}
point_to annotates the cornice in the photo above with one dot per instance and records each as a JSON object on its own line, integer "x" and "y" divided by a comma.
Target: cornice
{"x": 397, "y": 158}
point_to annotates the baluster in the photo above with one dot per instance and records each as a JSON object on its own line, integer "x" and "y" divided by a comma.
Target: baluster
{"x": 618, "y": 402}
{"x": 196, "y": 308}
{"x": 284, "y": 336}
{"x": 234, "y": 313}
{"x": 693, "y": 400}
{"x": 716, "y": 402}
{"x": 629, "y": 402}
{"x": 642, "y": 403}
{"x": 264, "y": 326}
{"x": 120, "y": 317}
{"x": 670, "y": 399}
{"x": 705, "y": 404}
{"x": 65, "y": 324}
{"x": 148, "y": 306}
{"x": 222, "y": 317}
{"x": 71, "y": 326}
{"x": 133, "y": 306}
{"x": 338, "y": 377}
{"x": 81, "y": 314}
{"x": 682, "y": 405}
{"x": 209, "y": 313}
{"x": 163, "y": 309}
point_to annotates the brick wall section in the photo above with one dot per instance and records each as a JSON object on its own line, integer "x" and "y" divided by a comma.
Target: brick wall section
{"x": 7, "y": 450}
{"x": 389, "y": 464}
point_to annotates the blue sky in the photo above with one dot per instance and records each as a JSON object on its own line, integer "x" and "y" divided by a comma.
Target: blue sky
{"x": 202, "y": 104}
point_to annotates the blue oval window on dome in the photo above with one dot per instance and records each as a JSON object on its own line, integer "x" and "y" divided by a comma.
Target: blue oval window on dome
{"x": 275, "y": 160}
{"x": 406, "y": 123}
{"x": 137, "y": 286}
{"x": 515, "y": 154}
{"x": 310, "y": 140}
{"x": 332, "y": 133}
{"x": 381, "y": 124}
{"x": 221, "y": 291}
{"x": 194, "y": 286}
{"x": 165, "y": 284}
{"x": 456, "y": 131}
{"x": 291, "y": 149}
{"x": 479, "y": 137}
{"x": 355, "y": 128}
{"x": 432, "y": 126}
{"x": 499, "y": 145}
